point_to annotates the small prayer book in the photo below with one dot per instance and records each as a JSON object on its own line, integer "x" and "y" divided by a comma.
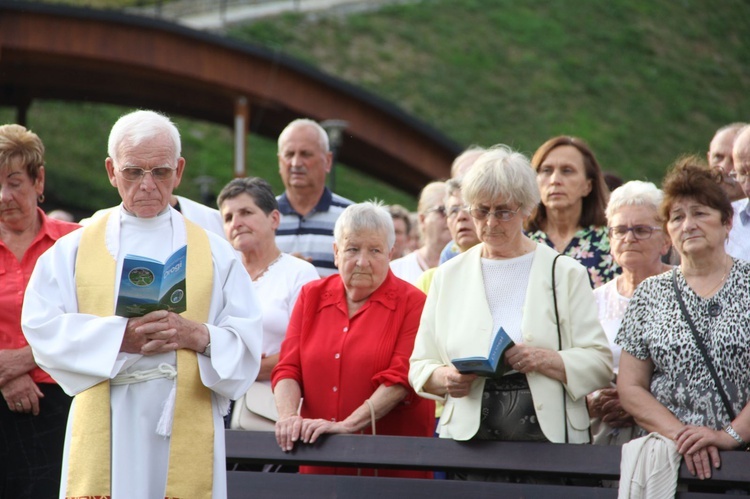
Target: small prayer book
{"x": 490, "y": 366}
{"x": 147, "y": 285}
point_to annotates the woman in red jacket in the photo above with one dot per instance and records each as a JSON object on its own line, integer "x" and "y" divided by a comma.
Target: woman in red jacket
{"x": 346, "y": 352}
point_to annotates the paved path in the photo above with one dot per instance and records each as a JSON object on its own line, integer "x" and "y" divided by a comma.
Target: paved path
{"x": 219, "y": 15}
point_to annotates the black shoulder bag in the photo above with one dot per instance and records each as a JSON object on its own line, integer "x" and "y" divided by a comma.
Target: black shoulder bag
{"x": 559, "y": 343}
{"x": 702, "y": 348}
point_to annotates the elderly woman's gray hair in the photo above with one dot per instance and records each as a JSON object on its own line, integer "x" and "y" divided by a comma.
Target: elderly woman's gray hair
{"x": 501, "y": 173}
{"x": 134, "y": 128}
{"x": 634, "y": 193}
{"x": 365, "y": 217}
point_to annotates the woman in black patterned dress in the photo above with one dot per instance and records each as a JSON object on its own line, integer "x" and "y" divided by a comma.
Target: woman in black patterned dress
{"x": 664, "y": 381}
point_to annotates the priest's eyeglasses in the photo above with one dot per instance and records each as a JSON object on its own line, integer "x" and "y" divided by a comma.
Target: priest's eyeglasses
{"x": 640, "y": 232}
{"x": 135, "y": 174}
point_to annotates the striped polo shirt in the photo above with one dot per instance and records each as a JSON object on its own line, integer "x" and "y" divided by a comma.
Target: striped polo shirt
{"x": 312, "y": 234}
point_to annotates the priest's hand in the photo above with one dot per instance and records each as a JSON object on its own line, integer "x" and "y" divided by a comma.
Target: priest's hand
{"x": 161, "y": 331}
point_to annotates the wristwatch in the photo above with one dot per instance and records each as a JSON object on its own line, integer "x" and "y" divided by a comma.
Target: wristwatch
{"x": 207, "y": 351}
{"x": 733, "y": 433}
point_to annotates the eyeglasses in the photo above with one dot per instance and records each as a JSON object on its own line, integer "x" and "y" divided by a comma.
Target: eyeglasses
{"x": 438, "y": 209}
{"x": 639, "y": 231}
{"x": 502, "y": 215}
{"x": 453, "y": 211}
{"x": 135, "y": 174}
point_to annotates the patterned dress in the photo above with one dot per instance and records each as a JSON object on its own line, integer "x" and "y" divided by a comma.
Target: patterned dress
{"x": 654, "y": 327}
{"x": 590, "y": 246}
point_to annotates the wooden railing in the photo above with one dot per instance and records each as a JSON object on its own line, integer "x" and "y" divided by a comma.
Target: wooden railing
{"x": 583, "y": 466}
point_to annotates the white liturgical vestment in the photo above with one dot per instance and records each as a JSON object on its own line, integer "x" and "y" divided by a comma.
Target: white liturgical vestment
{"x": 80, "y": 350}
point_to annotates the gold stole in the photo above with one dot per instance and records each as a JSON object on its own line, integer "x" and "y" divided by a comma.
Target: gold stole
{"x": 191, "y": 445}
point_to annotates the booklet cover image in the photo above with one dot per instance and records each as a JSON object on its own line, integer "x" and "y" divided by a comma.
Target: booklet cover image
{"x": 147, "y": 285}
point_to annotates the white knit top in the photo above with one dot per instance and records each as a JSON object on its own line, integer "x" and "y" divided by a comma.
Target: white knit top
{"x": 505, "y": 283}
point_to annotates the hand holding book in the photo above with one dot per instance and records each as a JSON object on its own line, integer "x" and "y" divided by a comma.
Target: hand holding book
{"x": 489, "y": 366}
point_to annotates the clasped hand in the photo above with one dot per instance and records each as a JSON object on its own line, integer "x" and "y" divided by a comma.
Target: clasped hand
{"x": 293, "y": 428}
{"x": 605, "y": 404}
{"x": 700, "y": 447}
{"x": 161, "y": 332}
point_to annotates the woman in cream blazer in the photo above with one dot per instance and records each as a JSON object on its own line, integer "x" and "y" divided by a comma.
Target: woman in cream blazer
{"x": 457, "y": 320}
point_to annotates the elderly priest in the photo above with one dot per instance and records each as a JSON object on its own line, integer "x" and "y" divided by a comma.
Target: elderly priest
{"x": 150, "y": 391}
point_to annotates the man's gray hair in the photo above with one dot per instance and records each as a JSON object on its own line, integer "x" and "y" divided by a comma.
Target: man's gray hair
{"x": 134, "y": 128}
{"x": 365, "y": 217}
{"x": 634, "y": 193}
{"x": 502, "y": 173}
{"x": 305, "y": 122}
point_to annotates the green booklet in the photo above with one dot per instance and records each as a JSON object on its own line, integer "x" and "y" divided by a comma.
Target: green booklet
{"x": 147, "y": 285}
{"x": 493, "y": 364}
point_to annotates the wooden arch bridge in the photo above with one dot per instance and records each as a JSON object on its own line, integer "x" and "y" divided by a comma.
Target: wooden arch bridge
{"x": 77, "y": 54}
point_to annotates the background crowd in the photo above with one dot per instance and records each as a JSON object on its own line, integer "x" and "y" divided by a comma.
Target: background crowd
{"x": 626, "y": 307}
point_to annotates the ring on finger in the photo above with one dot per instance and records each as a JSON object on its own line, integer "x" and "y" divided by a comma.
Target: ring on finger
{"x": 19, "y": 404}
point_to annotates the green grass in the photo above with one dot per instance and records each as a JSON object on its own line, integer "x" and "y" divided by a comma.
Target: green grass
{"x": 642, "y": 81}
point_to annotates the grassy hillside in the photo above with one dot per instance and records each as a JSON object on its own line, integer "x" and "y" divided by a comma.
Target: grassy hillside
{"x": 642, "y": 81}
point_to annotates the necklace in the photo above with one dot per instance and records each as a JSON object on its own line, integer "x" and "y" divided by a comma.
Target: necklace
{"x": 726, "y": 272}
{"x": 262, "y": 272}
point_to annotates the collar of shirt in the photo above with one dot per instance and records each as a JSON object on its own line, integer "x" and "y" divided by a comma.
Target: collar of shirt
{"x": 51, "y": 228}
{"x": 324, "y": 203}
{"x": 335, "y": 293}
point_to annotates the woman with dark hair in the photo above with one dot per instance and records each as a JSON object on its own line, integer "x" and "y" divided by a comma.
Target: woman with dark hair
{"x": 570, "y": 217}
{"x": 251, "y": 216}
{"x": 685, "y": 335}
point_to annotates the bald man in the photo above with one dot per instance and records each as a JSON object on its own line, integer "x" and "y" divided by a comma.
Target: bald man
{"x": 738, "y": 243}
{"x": 720, "y": 158}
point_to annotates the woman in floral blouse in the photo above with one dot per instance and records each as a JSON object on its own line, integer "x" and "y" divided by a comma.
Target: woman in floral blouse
{"x": 570, "y": 217}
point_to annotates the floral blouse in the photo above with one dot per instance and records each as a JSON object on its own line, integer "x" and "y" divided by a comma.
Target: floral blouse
{"x": 590, "y": 246}
{"x": 654, "y": 328}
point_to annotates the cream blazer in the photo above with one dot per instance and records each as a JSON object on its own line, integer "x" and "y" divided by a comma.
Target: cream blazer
{"x": 457, "y": 322}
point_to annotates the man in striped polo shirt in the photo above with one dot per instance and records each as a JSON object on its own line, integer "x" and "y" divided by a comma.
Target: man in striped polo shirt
{"x": 309, "y": 209}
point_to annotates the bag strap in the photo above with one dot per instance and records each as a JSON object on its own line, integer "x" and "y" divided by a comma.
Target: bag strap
{"x": 371, "y": 407}
{"x": 559, "y": 341}
{"x": 702, "y": 348}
